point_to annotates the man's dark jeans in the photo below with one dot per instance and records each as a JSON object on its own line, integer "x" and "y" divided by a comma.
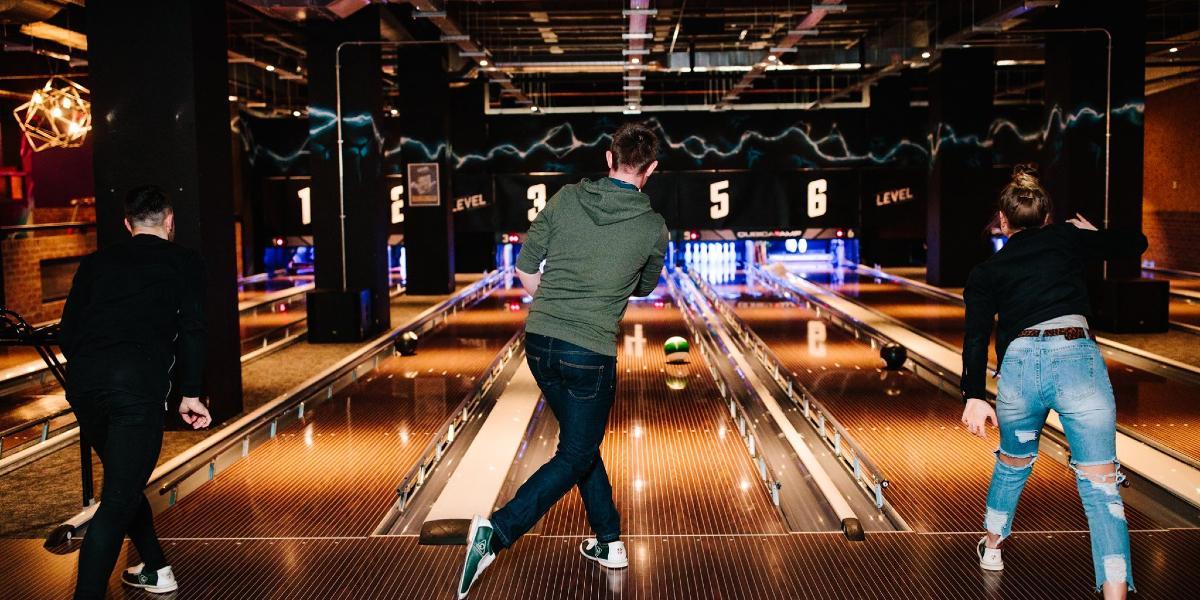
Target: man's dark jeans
{"x": 126, "y": 431}
{"x": 579, "y": 385}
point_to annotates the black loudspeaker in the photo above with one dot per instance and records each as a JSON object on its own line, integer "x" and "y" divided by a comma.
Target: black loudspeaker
{"x": 336, "y": 317}
{"x": 1130, "y": 305}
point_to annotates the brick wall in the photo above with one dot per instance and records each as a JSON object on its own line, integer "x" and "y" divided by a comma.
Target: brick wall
{"x": 22, "y": 271}
{"x": 64, "y": 214}
{"x": 1171, "y": 192}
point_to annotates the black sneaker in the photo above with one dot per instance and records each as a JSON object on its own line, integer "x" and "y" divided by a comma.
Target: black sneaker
{"x": 611, "y": 555}
{"x": 158, "y": 582}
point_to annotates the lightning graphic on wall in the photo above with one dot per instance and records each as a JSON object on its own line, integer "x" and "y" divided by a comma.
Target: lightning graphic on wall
{"x": 561, "y": 140}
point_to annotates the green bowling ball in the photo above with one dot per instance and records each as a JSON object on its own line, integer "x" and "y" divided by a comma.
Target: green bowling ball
{"x": 676, "y": 348}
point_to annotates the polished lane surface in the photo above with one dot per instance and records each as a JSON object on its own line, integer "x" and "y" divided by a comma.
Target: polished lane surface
{"x": 906, "y": 425}
{"x": 1162, "y": 409}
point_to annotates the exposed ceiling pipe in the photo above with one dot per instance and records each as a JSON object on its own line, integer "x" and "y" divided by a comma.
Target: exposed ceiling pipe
{"x": 635, "y": 54}
{"x": 302, "y": 10}
{"x": 237, "y": 58}
{"x": 28, "y": 11}
{"x": 1001, "y": 21}
{"x": 467, "y": 48}
{"x": 806, "y": 27}
{"x": 56, "y": 34}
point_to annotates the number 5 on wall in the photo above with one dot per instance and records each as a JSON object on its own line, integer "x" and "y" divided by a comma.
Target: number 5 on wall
{"x": 719, "y": 198}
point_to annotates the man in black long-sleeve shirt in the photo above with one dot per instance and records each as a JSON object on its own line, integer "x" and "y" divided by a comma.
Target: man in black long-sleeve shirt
{"x": 134, "y": 317}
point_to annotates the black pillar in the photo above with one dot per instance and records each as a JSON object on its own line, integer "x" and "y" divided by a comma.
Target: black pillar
{"x": 349, "y": 200}
{"x": 961, "y": 193}
{"x": 158, "y": 76}
{"x": 424, "y": 106}
{"x": 1079, "y": 84}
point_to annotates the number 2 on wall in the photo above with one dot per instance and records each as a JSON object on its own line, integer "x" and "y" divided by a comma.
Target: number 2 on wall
{"x": 397, "y": 194}
{"x": 719, "y": 198}
{"x": 818, "y": 202}
{"x": 536, "y": 193}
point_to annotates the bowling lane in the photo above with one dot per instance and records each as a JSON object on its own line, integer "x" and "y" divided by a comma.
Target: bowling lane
{"x": 908, "y": 427}
{"x": 12, "y": 357}
{"x": 267, "y": 323}
{"x": 254, "y": 288}
{"x": 1163, "y": 410}
{"x": 674, "y": 457}
{"x": 335, "y": 473}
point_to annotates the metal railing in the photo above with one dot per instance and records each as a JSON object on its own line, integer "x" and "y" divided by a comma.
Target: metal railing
{"x": 42, "y": 424}
{"x": 711, "y": 352}
{"x": 446, "y": 433}
{"x": 8, "y": 231}
{"x": 835, "y": 435}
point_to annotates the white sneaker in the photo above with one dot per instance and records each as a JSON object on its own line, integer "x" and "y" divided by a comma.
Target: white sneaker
{"x": 158, "y": 582}
{"x": 611, "y": 555}
{"x": 989, "y": 558}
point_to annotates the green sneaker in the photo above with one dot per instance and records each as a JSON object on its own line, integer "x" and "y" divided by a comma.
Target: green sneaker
{"x": 158, "y": 582}
{"x": 611, "y": 555}
{"x": 479, "y": 554}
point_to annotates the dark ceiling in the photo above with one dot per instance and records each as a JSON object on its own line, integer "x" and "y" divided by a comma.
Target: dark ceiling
{"x": 585, "y": 55}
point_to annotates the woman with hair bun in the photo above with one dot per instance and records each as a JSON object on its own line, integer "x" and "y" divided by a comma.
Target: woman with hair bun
{"x": 1048, "y": 360}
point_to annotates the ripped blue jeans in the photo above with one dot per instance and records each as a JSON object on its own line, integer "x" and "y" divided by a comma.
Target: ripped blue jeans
{"x": 1068, "y": 376}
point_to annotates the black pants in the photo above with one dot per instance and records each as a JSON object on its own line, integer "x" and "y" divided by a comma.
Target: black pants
{"x": 126, "y": 432}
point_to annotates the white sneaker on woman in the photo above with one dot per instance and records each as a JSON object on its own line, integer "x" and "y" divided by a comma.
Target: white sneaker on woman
{"x": 989, "y": 558}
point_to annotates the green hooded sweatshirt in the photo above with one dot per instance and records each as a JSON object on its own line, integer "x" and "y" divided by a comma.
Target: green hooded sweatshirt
{"x": 602, "y": 243}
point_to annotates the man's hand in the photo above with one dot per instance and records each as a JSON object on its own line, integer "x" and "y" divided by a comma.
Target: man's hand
{"x": 976, "y": 415}
{"x": 194, "y": 413}
{"x": 1081, "y": 223}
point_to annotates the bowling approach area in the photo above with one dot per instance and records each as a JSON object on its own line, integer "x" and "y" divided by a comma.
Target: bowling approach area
{"x": 361, "y": 179}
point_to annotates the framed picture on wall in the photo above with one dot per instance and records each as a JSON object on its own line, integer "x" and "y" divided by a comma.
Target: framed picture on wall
{"x": 423, "y": 186}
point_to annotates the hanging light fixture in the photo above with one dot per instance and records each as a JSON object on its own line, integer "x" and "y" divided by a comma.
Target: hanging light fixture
{"x": 57, "y": 116}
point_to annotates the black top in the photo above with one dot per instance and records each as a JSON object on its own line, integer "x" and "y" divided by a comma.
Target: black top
{"x": 134, "y": 313}
{"x": 1038, "y": 275}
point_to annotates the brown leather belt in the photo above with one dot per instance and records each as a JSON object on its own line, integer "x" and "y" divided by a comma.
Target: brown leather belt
{"x": 1071, "y": 333}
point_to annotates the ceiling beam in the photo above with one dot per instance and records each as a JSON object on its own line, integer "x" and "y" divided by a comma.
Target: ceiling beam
{"x": 805, "y": 28}
{"x": 469, "y": 49}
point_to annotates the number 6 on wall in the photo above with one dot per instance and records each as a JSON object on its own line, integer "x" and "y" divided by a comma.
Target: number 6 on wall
{"x": 536, "y": 193}
{"x": 719, "y": 198}
{"x": 818, "y": 202}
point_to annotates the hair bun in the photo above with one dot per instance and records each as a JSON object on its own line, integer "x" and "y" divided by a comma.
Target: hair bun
{"x": 1025, "y": 175}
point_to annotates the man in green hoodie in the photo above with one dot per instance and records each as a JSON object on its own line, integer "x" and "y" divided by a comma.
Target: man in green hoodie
{"x": 601, "y": 243}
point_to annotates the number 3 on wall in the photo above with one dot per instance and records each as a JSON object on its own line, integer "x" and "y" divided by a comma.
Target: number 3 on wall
{"x": 719, "y": 198}
{"x": 818, "y": 202}
{"x": 536, "y": 193}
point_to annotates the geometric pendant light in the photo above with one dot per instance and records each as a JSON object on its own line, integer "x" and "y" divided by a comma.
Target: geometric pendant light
{"x": 57, "y": 116}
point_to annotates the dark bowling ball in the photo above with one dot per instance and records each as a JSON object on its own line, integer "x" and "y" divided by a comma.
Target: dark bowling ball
{"x": 406, "y": 344}
{"x": 894, "y": 356}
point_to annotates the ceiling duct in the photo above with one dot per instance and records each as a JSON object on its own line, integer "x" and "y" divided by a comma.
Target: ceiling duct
{"x": 28, "y": 11}
{"x": 300, "y": 10}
